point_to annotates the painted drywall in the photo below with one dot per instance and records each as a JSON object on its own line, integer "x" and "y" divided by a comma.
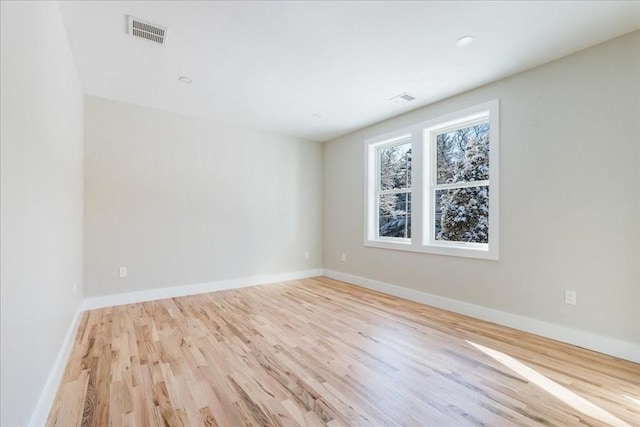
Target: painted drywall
{"x": 182, "y": 201}
{"x": 569, "y": 201}
{"x": 41, "y": 201}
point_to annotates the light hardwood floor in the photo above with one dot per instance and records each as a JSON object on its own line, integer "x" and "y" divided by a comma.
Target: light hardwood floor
{"x": 320, "y": 352}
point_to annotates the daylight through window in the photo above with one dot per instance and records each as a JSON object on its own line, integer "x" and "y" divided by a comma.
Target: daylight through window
{"x": 394, "y": 189}
{"x": 459, "y": 194}
{"x": 449, "y": 195}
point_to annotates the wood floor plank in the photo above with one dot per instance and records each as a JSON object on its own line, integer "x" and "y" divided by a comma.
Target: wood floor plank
{"x": 318, "y": 352}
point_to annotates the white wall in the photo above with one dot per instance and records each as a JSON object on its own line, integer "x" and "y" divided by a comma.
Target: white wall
{"x": 570, "y": 198}
{"x": 181, "y": 201}
{"x": 41, "y": 201}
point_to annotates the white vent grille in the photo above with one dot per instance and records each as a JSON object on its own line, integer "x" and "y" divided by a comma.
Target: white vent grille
{"x": 402, "y": 97}
{"x": 146, "y": 30}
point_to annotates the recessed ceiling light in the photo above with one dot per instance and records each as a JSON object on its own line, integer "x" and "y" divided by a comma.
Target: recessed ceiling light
{"x": 185, "y": 79}
{"x": 464, "y": 41}
{"x": 316, "y": 116}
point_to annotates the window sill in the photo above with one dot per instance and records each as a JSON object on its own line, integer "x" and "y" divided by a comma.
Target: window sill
{"x": 458, "y": 251}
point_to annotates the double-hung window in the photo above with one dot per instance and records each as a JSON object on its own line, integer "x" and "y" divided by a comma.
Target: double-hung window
{"x": 393, "y": 189}
{"x": 449, "y": 195}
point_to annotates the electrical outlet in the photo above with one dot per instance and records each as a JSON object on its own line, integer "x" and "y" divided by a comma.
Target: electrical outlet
{"x": 570, "y": 297}
{"x": 306, "y": 255}
{"x": 344, "y": 257}
{"x": 122, "y": 272}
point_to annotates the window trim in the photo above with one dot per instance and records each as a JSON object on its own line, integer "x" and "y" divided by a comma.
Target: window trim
{"x": 422, "y": 155}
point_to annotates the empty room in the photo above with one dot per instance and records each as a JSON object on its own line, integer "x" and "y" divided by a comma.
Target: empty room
{"x": 320, "y": 213}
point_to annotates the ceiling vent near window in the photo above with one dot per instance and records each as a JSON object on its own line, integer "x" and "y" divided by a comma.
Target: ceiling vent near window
{"x": 146, "y": 30}
{"x": 405, "y": 97}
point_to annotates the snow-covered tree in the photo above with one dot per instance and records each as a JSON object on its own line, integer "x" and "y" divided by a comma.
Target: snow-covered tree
{"x": 465, "y": 211}
{"x": 395, "y": 173}
{"x": 395, "y": 167}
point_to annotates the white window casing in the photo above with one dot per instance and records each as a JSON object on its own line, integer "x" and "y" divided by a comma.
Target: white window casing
{"x": 424, "y": 184}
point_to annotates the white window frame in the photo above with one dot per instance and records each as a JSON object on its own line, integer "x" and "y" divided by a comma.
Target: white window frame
{"x": 374, "y": 178}
{"x": 423, "y": 184}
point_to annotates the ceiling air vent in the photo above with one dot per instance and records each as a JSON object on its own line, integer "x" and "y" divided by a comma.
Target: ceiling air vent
{"x": 402, "y": 97}
{"x": 146, "y": 30}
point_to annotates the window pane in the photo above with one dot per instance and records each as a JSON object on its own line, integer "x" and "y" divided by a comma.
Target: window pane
{"x": 462, "y": 214}
{"x": 395, "y": 215}
{"x": 462, "y": 155}
{"x": 395, "y": 167}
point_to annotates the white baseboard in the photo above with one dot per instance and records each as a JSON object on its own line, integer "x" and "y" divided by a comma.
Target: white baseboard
{"x": 602, "y": 344}
{"x": 599, "y": 343}
{"x": 39, "y": 417}
{"x": 201, "y": 288}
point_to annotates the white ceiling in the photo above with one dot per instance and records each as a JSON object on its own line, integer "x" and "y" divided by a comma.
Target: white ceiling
{"x": 272, "y": 65}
